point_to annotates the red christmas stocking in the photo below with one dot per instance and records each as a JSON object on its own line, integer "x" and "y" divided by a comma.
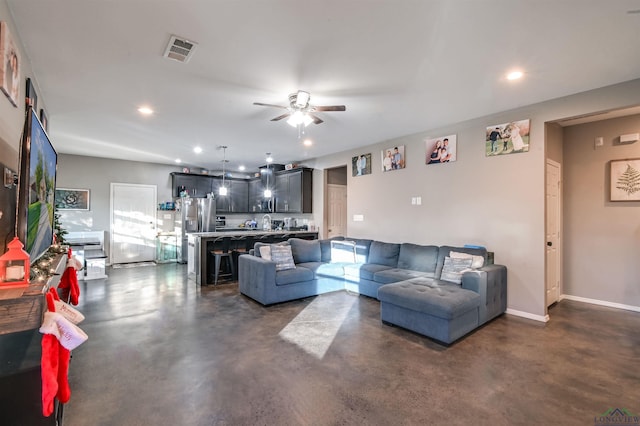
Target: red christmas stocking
{"x": 49, "y": 366}
{"x": 75, "y": 288}
{"x": 49, "y": 371}
{"x": 64, "y": 392}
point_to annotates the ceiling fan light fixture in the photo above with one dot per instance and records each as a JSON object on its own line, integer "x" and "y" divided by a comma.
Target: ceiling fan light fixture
{"x": 298, "y": 118}
{"x": 302, "y": 99}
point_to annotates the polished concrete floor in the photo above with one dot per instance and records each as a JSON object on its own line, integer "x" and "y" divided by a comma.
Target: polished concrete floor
{"x": 162, "y": 351}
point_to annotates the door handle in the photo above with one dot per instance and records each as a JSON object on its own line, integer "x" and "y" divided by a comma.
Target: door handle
{"x": 549, "y": 243}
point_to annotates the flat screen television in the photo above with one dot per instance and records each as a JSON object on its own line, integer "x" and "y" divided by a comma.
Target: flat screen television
{"x": 38, "y": 167}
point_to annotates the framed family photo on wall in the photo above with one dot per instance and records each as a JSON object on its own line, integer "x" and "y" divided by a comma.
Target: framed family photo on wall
{"x": 361, "y": 165}
{"x": 393, "y": 158}
{"x": 625, "y": 180}
{"x": 441, "y": 150}
{"x": 31, "y": 95}
{"x": 507, "y": 138}
{"x": 10, "y": 65}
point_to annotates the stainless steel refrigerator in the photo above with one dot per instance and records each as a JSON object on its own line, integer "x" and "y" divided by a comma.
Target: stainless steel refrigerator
{"x": 196, "y": 215}
{"x": 206, "y": 215}
{"x": 186, "y": 222}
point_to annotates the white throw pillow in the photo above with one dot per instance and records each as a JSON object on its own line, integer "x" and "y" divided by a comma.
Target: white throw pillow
{"x": 265, "y": 252}
{"x": 453, "y": 269}
{"x": 343, "y": 251}
{"x": 478, "y": 261}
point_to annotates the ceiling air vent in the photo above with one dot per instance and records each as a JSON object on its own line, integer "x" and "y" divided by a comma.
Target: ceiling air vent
{"x": 179, "y": 49}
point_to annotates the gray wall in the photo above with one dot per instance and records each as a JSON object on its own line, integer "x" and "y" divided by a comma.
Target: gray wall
{"x": 601, "y": 238}
{"x": 97, "y": 174}
{"x": 497, "y": 202}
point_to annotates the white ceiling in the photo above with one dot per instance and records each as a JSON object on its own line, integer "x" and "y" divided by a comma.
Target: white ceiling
{"x": 399, "y": 66}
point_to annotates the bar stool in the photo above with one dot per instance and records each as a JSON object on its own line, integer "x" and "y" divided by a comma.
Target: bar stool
{"x": 221, "y": 251}
{"x": 240, "y": 244}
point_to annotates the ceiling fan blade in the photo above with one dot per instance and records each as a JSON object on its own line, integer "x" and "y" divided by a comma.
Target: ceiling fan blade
{"x": 280, "y": 117}
{"x": 270, "y": 105}
{"x": 330, "y": 108}
{"x": 316, "y": 119}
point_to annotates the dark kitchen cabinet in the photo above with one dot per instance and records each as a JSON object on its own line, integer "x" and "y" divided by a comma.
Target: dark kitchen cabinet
{"x": 196, "y": 186}
{"x": 237, "y": 198}
{"x": 293, "y": 191}
{"x": 257, "y": 202}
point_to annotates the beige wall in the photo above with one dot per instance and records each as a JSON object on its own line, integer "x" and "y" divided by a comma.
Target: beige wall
{"x": 12, "y": 118}
{"x": 497, "y": 202}
{"x": 601, "y": 238}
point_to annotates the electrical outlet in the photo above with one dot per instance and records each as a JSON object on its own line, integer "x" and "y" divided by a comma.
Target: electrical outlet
{"x": 413, "y": 201}
{"x": 419, "y": 201}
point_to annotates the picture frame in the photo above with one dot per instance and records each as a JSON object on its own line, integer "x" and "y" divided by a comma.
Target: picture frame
{"x": 10, "y": 64}
{"x": 361, "y": 165}
{"x": 72, "y": 199}
{"x": 31, "y": 97}
{"x": 393, "y": 158}
{"x": 507, "y": 138}
{"x": 625, "y": 180}
{"x": 44, "y": 120}
{"x": 440, "y": 150}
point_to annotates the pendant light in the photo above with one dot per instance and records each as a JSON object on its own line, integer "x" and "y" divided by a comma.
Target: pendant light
{"x": 222, "y": 191}
{"x": 267, "y": 191}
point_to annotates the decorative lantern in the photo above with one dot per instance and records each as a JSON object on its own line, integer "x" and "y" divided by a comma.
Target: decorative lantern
{"x": 14, "y": 270}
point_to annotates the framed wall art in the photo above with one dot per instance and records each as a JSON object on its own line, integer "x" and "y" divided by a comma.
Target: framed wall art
{"x": 72, "y": 199}
{"x": 9, "y": 66}
{"x": 361, "y": 165}
{"x": 625, "y": 180}
{"x": 507, "y": 138}
{"x": 44, "y": 120}
{"x": 393, "y": 158}
{"x": 441, "y": 150}
{"x": 31, "y": 95}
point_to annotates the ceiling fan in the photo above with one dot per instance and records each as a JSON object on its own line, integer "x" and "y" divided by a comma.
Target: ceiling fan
{"x": 300, "y": 111}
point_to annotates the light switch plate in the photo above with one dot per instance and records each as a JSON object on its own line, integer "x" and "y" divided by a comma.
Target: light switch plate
{"x": 358, "y": 218}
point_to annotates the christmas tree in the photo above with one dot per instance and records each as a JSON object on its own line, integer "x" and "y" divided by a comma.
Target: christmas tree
{"x": 59, "y": 231}
{"x": 629, "y": 181}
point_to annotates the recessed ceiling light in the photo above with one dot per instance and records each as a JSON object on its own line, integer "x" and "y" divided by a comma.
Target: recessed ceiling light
{"x": 307, "y": 142}
{"x": 145, "y": 110}
{"x": 241, "y": 168}
{"x": 178, "y": 160}
{"x": 514, "y": 75}
{"x": 197, "y": 150}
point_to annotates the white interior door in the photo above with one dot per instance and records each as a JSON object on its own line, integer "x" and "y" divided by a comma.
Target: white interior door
{"x": 337, "y": 210}
{"x": 133, "y": 228}
{"x": 553, "y": 232}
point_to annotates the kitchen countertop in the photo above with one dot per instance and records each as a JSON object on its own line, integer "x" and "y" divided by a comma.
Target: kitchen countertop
{"x": 240, "y": 233}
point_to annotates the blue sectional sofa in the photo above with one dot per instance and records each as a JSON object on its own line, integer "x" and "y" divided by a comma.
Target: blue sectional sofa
{"x": 440, "y": 292}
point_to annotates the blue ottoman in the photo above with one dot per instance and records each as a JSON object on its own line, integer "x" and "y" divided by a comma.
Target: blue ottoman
{"x": 433, "y": 308}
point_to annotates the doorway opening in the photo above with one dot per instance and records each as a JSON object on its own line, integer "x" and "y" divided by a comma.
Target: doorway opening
{"x": 335, "y": 205}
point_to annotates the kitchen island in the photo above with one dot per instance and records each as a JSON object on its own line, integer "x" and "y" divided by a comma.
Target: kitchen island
{"x": 200, "y": 263}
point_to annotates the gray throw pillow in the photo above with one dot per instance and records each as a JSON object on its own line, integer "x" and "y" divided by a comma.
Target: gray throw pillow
{"x": 282, "y": 256}
{"x": 305, "y": 250}
{"x": 453, "y": 269}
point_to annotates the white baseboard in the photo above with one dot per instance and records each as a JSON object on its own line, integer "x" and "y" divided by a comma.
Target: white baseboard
{"x": 600, "y": 302}
{"x": 541, "y": 318}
